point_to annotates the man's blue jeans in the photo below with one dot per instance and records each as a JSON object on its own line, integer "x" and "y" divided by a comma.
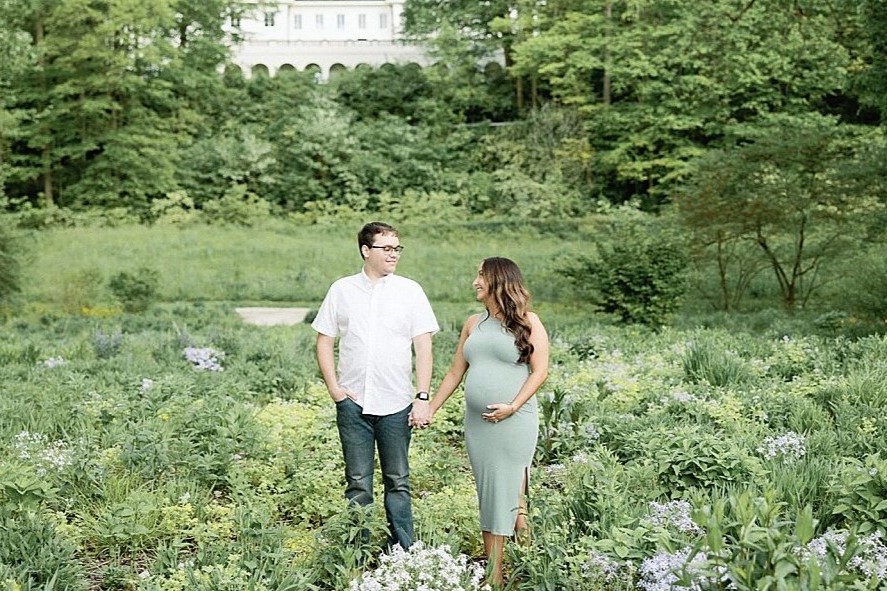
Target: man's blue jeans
{"x": 360, "y": 434}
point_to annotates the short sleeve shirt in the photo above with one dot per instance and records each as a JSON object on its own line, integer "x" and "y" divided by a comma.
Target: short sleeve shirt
{"x": 375, "y": 325}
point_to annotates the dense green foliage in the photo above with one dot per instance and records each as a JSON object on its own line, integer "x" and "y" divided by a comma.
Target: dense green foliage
{"x": 151, "y": 441}
{"x": 757, "y": 122}
{"x": 182, "y": 449}
{"x": 120, "y": 104}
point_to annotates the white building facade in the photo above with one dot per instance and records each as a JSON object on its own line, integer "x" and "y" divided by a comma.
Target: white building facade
{"x": 324, "y": 36}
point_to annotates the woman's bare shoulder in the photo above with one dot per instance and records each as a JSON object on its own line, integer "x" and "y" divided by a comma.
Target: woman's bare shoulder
{"x": 471, "y": 322}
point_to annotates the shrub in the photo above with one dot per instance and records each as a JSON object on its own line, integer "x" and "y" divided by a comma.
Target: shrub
{"x": 82, "y": 290}
{"x": 638, "y": 273}
{"x": 864, "y": 292}
{"x": 136, "y": 291}
{"x": 687, "y": 457}
{"x": 106, "y": 345}
{"x": 238, "y": 207}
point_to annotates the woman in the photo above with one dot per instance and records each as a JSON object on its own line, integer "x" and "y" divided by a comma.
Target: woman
{"x": 504, "y": 352}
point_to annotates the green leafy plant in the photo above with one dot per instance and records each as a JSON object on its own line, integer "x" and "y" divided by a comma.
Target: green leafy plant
{"x": 563, "y": 425}
{"x": 106, "y": 345}
{"x": 706, "y": 361}
{"x": 348, "y": 544}
{"x": 688, "y": 457}
{"x": 860, "y": 493}
{"x": 34, "y": 554}
{"x": 137, "y": 290}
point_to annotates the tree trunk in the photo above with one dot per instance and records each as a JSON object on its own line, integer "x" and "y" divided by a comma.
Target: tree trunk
{"x": 46, "y": 153}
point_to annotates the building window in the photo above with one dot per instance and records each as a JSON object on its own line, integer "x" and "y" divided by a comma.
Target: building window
{"x": 340, "y": 21}
{"x": 318, "y": 20}
{"x": 235, "y": 21}
{"x": 269, "y": 19}
{"x": 297, "y": 23}
{"x": 383, "y": 21}
{"x": 361, "y": 21}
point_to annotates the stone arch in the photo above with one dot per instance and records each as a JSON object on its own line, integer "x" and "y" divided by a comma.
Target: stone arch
{"x": 363, "y": 66}
{"x": 315, "y": 70}
{"x": 286, "y": 69}
{"x": 337, "y": 69}
{"x": 493, "y": 70}
{"x": 232, "y": 71}
{"x": 260, "y": 70}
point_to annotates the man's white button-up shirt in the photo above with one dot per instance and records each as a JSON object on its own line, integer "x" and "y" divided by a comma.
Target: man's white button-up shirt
{"x": 375, "y": 325}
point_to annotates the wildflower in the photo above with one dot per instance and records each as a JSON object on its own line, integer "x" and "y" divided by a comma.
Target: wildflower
{"x": 789, "y": 446}
{"x": 682, "y": 396}
{"x": 422, "y": 568}
{"x": 869, "y": 558}
{"x": 580, "y": 458}
{"x": 205, "y": 358}
{"x": 44, "y": 454}
{"x": 600, "y": 565}
{"x": 555, "y": 470}
{"x": 54, "y": 362}
{"x": 147, "y": 384}
{"x": 674, "y": 514}
{"x": 661, "y": 572}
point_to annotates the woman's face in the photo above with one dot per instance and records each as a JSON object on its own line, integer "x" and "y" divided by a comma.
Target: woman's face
{"x": 480, "y": 285}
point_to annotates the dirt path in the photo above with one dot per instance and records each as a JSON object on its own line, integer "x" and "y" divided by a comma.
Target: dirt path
{"x": 272, "y": 316}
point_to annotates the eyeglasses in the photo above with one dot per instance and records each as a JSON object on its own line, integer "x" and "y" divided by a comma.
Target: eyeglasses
{"x": 390, "y": 249}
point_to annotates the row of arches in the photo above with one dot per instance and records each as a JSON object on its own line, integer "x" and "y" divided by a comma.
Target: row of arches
{"x": 491, "y": 69}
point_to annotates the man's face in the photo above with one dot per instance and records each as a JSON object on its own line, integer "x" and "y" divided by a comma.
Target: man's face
{"x": 381, "y": 258}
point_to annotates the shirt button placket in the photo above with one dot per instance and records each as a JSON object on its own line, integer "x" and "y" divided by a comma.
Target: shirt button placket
{"x": 373, "y": 331}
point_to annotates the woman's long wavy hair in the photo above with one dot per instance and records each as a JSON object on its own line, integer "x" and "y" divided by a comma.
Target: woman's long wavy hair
{"x": 505, "y": 283}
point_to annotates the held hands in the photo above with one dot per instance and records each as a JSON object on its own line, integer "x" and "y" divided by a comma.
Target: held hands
{"x": 498, "y": 412}
{"x": 420, "y": 417}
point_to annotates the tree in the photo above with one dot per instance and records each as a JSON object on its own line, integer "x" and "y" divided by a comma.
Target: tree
{"x": 115, "y": 88}
{"x": 395, "y": 90}
{"x": 793, "y": 195}
{"x": 463, "y": 35}
{"x": 15, "y": 56}
{"x": 874, "y": 18}
{"x": 660, "y": 82}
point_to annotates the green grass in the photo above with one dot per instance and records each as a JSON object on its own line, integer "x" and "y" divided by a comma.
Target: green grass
{"x": 280, "y": 262}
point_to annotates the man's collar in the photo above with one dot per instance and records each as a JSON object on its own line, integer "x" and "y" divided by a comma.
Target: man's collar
{"x": 369, "y": 282}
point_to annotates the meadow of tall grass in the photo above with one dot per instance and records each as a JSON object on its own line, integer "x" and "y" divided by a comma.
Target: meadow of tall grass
{"x": 281, "y": 262}
{"x": 178, "y": 449}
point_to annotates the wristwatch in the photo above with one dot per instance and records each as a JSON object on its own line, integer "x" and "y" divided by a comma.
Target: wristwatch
{"x": 422, "y": 396}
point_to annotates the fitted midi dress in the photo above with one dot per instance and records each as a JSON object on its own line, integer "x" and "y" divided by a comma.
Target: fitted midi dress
{"x": 500, "y": 453}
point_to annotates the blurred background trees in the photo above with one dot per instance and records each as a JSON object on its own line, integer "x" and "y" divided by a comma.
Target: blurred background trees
{"x": 757, "y": 123}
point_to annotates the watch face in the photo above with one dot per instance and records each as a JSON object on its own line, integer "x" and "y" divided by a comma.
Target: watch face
{"x": 422, "y": 395}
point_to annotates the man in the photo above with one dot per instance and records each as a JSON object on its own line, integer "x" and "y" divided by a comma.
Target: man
{"x": 379, "y": 319}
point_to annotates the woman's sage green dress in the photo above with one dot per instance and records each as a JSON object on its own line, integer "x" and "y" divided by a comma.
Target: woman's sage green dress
{"x": 500, "y": 453}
